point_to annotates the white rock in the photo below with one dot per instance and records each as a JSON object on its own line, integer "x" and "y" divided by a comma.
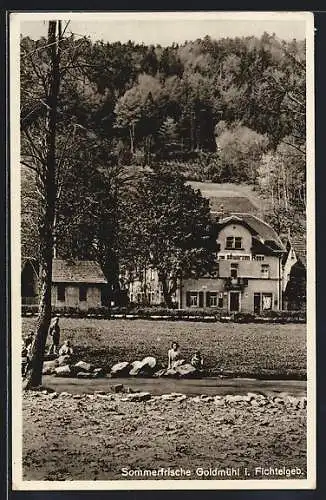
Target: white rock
{"x": 137, "y": 396}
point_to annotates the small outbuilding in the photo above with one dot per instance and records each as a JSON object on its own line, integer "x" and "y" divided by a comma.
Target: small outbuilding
{"x": 78, "y": 284}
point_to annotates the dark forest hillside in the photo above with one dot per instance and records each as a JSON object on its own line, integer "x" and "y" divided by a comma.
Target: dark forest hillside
{"x": 228, "y": 110}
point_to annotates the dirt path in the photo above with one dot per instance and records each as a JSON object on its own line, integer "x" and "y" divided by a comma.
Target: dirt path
{"x": 210, "y": 386}
{"x": 94, "y": 436}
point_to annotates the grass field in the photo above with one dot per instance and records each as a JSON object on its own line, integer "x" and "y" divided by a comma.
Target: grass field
{"x": 257, "y": 350}
{"x": 226, "y": 190}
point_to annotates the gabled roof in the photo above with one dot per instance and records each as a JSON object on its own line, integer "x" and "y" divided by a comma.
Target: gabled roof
{"x": 78, "y": 271}
{"x": 259, "y": 229}
{"x": 298, "y": 243}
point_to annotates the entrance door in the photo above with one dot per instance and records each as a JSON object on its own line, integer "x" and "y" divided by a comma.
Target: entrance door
{"x": 257, "y": 299}
{"x": 234, "y": 301}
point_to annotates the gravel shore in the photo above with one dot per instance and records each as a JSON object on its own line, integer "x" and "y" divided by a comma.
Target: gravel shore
{"x": 97, "y": 436}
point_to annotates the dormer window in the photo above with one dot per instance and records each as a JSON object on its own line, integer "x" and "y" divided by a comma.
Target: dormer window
{"x": 233, "y": 242}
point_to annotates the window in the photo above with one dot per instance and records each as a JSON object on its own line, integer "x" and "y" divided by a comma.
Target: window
{"x": 267, "y": 301}
{"x": 233, "y": 242}
{"x": 237, "y": 242}
{"x": 229, "y": 242}
{"x": 194, "y": 299}
{"x": 61, "y": 293}
{"x": 265, "y": 271}
{"x": 221, "y": 257}
{"x": 259, "y": 257}
{"x": 245, "y": 257}
{"x": 234, "y": 270}
{"x": 213, "y": 299}
{"x": 263, "y": 302}
{"x": 220, "y": 300}
{"x": 82, "y": 293}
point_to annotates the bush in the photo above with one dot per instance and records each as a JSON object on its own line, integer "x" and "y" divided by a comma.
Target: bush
{"x": 244, "y": 317}
{"x": 146, "y": 312}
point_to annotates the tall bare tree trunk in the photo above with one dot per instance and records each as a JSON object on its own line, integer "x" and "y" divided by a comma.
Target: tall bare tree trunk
{"x": 47, "y": 186}
{"x": 132, "y": 138}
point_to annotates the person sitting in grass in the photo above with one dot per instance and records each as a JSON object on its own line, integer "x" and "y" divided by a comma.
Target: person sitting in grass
{"x": 174, "y": 355}
{"x": 66, "y": 349}
{"x": 197, "y": 361}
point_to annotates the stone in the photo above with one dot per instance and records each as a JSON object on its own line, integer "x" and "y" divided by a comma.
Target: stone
{"x": 64, "y": 360}
{"x": 159, "y": 373}
{"x": 53, "y": 395}
{"x": 117, "y": 388}
{"x": 251, "y": 395}
{"x": 84, "y": 375}
{"x": 173, "y": 396}
{"x": 48, "y": 370}
{"x": 49, "y": 367}
{"x": 82, "y": 366}
{"x": 137, "y": 396}
{"x": 171, "y": 372}
{"x": 136, "y": 366}
{"x": 278, "y": 401}
{"x": 302, "y": 403}
{"x": 63, "y": 371}
{"x": 149, "y": 361}
{"x": 186, "y": 370}
{"x": 120, "y": 369}
{"x": 230, "y": 398}
{"x": 98, "y": 372}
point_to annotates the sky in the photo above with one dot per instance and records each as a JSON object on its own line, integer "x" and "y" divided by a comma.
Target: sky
{"x": 164, "y": 29}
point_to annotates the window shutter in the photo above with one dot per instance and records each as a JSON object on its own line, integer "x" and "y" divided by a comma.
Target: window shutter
{"x": 188, "y": 299}
{"x": 201, "y": 299}
{"x": 208, "y": 299}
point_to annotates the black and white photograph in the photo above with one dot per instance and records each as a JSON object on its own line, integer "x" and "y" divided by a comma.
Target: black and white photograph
{"x": 162, "y": 250}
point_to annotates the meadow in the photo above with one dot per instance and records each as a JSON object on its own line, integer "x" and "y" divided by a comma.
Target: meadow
{"x": 255, "y": 350}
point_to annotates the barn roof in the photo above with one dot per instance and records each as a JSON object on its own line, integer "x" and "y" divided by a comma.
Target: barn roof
{"x": 231, "y": 204}
{"x": 78, "y": 271}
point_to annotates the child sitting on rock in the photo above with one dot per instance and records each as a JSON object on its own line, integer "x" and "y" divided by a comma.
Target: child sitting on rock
{"x": 197, "y": 361}
{"x": 66, "y": 349}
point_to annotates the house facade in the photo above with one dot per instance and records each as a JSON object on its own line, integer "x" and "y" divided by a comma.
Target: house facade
{"x": 75, "y": 284}
{"x": 294, "y": 274}
{"x": 146, "y": 289}
{"x": 248, "y": 271}
{"x": 247, "y": 276}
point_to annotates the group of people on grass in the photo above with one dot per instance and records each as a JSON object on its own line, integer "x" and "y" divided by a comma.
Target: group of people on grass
{"x": 55, "y": 349}
{"x": 174, "y": 353}
{"x": 175, "y": 358}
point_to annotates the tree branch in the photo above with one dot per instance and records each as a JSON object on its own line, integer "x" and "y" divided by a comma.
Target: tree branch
{"x": 38, "y": 155}
{"x": 29, "y": 166}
